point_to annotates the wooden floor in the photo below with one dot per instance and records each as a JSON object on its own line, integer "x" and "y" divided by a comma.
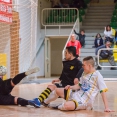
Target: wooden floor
{"x": 30, "y": 91}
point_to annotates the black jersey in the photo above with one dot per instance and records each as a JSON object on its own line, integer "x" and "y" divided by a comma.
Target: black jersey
{"x": 69, "y": 72}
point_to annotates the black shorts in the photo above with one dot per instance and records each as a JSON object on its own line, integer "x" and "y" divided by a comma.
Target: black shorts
{"x": 59, "y": 85}
{"x": 7, "y": 100}
{"x": 5, "y": 87}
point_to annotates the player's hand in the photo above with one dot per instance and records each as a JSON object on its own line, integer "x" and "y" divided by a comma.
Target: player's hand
{"x": 67, "y": 87}
{"x": 76, "y": 81}
{"x": 108, "y": 110}
{"x": 55, "y": 80}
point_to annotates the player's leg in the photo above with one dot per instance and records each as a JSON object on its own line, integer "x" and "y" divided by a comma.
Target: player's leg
{"x": 20, "y": 76}
{"x": 11, "y": 100}
{"x": 53, "y": 96}
{"x": 68, "y": 105}
{"x": 44, "y": 95}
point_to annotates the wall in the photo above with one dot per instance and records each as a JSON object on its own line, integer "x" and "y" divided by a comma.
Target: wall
{"x": 57, "y": 45}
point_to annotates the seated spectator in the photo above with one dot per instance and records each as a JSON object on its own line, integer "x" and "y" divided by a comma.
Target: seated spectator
{"x": 76, "y": 43}
{"x": 106, "y": 54}
{"x": 108, "y": 34}
{"x": 98, "y": 41}
{"x": 81, "y": 36}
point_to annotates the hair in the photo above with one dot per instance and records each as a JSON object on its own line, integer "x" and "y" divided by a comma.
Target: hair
{"x": 90, "y": 60}
{"x": 72, "y": 50}
{"x": 97, "y": 35}
{"x": 82, "y": 31}
{"x": 107, "y": 27}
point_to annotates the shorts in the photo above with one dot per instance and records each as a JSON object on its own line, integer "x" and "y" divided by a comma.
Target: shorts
{"x": 5, "y": 87}
{"x": 7, "y": 100}
{"x": 71, "y": 95}
{"x": 58, "y": 85}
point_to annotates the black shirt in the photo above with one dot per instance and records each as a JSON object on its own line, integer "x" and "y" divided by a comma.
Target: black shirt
{"x": 69, "y": 72}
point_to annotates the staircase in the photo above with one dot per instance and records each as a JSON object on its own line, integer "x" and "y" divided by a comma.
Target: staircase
{"x": 96, "y": 18}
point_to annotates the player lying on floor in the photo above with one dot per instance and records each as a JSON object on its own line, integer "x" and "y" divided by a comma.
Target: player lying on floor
{"x": 72, "y": 70}
{"x": 91, "y": 82}
{"x": 6, "y": 87}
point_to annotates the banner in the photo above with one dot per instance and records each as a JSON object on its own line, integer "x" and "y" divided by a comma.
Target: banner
{"x": 6, "y": 11}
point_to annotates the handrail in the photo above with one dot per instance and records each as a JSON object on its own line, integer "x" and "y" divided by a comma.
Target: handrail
{"x": 76, "y": 23}
{"x": 58, "y": 16}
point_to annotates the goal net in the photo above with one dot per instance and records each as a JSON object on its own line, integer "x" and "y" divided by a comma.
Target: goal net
{"x": 18, "y": 35}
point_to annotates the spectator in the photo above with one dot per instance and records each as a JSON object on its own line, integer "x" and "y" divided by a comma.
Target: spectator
{"x": 106, "y": 54}
{"x": 76, "y": 43}
{"x": 98, "y": 41}
{"x": 81, "y": 36}
{"x": 108, "y": 34}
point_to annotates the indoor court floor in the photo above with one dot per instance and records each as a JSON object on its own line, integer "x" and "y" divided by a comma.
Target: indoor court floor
{"x": 30, "y": 91}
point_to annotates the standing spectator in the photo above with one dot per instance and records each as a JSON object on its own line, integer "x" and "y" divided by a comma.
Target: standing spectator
{"x": 98, "y": 40}
{"x": 106, "y": 54}
{"x": 81, "y": 36}
{"x": 108, "y": 34}
{"x": 76, "y": 43}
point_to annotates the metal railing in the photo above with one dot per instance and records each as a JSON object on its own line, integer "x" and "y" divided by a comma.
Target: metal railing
{"x": 77, "y": 27}
{"x": 59, "y": 17}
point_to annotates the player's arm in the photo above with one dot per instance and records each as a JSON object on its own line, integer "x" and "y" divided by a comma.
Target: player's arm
{"x": 104, "y": 98}
{"x": 75, "y": 87}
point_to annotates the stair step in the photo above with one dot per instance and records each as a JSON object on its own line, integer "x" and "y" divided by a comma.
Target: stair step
{"x": 90, "y": 34}
{"x": 108, "y": 73}
{"x": 93, "y": 27}
{"x": 98, "y": 17}
{"x": 87, "y": 54}
{"x": 100, "y": 10}
{"x": 100, "y": 14}
{"x": 89, "y": 50}
{"x": 88, "y": 47}
{"x": 97, "y": 20}
{"x": 94, "y": 24}
{"x": 87, "y": 42}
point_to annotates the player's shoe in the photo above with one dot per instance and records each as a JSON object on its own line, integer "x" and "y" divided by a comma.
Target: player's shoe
{"x": 54, "y": 106}
{"x": 35, "y": 102}
{"x": 44, "y": 104}
{"x": 31, "y": 71}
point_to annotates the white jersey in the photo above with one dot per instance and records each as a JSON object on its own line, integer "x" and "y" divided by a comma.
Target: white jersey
{"x": 90, "y": 84}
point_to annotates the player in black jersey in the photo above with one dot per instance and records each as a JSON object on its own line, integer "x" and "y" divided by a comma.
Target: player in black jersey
{"x": 6, "y": 87}
{"x": 71, "y": 67}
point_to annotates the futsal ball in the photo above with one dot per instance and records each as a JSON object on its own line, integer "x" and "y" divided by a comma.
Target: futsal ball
{"x": 3, "y": 70}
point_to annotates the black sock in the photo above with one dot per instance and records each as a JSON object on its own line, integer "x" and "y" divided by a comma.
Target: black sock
{"x": 18, "y": 78}
{"x": 22, "y": 102}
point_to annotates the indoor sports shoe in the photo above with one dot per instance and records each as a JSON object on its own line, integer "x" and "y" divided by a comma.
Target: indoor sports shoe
{"x": 35, "y": 102}
{"x": 31, "y": 71}
{"x": 53, "y": 106}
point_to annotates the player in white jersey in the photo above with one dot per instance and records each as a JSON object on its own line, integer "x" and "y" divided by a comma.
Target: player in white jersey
{"x": 82, "y": 95}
